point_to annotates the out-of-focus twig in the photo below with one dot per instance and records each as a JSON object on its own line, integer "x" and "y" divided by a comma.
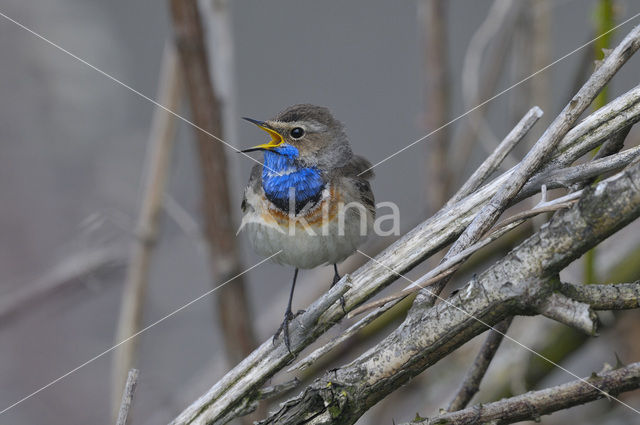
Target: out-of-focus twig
{"x": 159, "y": 148}
{"x": 433, "y": 14}
{"x": 532, "y": 405}
{"x": 233, "y": 310}
{"x": 71, "y": 271}
{"x": 501, "y": 17}
{"x": 471, "y": 383}
{"x": 541, "y": 16}
{"x": 127, "y": 397}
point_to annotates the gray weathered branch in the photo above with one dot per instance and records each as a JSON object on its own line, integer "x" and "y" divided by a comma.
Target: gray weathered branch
{"x": 605, "y": 297}
{"x": 532, "y": 405}
{"x": 564, "y": 177}
{"x": 494, "y": 160}
{"x": 570, "y": 312}
{"x": 127, "y": 397}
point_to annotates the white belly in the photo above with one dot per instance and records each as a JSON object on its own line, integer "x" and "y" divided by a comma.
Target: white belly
{"x": 303, "y": 250}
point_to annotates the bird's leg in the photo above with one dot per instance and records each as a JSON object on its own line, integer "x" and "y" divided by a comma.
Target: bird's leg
{"x": 288, "y": 316}
{"x": 336, "y": 279}
{"x": 336, "y": 276}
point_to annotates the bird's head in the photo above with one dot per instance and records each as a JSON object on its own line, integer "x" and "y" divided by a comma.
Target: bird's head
{"x": 308, "y": 134}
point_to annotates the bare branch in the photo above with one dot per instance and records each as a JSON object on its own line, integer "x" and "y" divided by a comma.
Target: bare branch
{"x": 494, "y": 160}
{"x": 502, "y": 14}
{"x": 71, "y": 271}
{"x": 597, "y": 127}
{"x": 471, "y": 383}
{"x": 570, "y": 312}
{"x": 564, "y": 177}
{"x": 614, "y": 144}
{"x": 618, "y": 296}
{"x": 127, "y": 397}
{"x": 532, "y": 405}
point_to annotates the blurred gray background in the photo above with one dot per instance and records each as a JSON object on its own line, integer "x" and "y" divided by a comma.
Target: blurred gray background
{"x": 72, "y": 147}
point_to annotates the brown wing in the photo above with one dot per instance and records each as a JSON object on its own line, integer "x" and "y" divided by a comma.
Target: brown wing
{"x": 359, "y": 172}
{"x": 358, "y": 167}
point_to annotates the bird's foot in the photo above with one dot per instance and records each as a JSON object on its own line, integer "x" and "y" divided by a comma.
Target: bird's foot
{"x": 284, "y": 328}
{"x": 336, "y": 279}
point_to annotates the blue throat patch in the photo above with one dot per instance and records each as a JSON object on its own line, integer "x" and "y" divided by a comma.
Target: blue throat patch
{"x": 307, "y": 182}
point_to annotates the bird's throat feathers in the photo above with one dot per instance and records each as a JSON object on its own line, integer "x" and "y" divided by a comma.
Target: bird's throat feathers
{"x": 281, "y": 175}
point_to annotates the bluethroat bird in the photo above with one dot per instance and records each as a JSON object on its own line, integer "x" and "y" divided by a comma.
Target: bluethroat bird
{"x": 310, "y": 201}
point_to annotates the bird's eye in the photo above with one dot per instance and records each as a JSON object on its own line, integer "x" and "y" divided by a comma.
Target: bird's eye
{"x": 297, "y": 133}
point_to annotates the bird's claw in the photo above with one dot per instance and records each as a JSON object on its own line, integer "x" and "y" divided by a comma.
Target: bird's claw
{"x": 336, "y": 279}
{"x": 284, "y": 329}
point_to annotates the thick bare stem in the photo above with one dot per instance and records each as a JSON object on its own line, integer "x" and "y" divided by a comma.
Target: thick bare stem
{"x": 532, "y": 405}
{"x": 233, "y": 310}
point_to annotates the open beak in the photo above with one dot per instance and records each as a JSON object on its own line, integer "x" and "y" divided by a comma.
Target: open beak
{"x": 276, "y": 138}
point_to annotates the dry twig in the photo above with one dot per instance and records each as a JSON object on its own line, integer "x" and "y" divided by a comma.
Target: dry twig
{"x": 159, "y": 149}
{"x": 532, "y": 405}
{"x": 127, "y": 397}
{"x": 74, "y": 270}
{"x": 471, "y": 383}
